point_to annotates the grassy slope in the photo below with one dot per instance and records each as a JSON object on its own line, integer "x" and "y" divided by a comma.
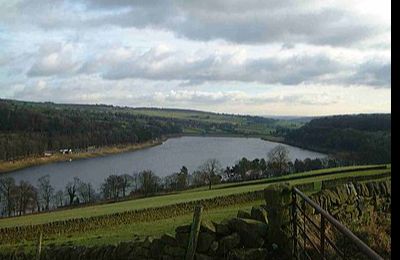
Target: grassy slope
{"x": 189, "y": 195}
{"x": 116, "y": 234}
{"x": 241, "y": 122}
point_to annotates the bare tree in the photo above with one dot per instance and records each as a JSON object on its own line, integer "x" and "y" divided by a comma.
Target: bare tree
{"x": 126, "y": 182}
{"x": 71, "y": 189}
{"x": 7, "y": 191}
{"x": 149, "y": 182}
{"x": 112, "y": 187}
{"x": 135, "y": 179}
{"x": 182, "y": 178}
{"x": 35, "y": 201}
{"x": 86, "y": 192}
{"x": 46, "y": 191}
{"x": 211, "y": 171}
{"x": 59, "y": 198}
{"x": 25, "y": 197}
{"x": 278, "y": 160}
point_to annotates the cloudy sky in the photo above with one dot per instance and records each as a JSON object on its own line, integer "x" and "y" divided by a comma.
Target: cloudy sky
{"x": 263, "y": 57}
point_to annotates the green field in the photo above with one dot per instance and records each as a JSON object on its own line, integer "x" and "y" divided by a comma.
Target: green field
{"x": 244, "y": 125}
{"x": 189, "y": 195}
{"x": 115, "y": 234}
{"x": 139, "y": 230}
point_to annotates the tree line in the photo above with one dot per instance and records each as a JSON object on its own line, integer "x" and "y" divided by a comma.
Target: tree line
{"x": 361, "y": 139}
{"x": 30, "y": 129}
{"x": 23, "y": 197}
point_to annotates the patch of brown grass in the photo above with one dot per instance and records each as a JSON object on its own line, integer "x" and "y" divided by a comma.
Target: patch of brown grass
{"x": 376, "y": 232}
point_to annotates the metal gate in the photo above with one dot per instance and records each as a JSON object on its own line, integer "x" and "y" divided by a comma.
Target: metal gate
{"x": 316, "y": 233}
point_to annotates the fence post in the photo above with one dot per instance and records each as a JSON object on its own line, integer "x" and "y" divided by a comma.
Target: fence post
{"x": 194, "y": 233}
{"x": 294, "y": 223}
{"x": 39, "y": 246}
{"x": 278, "y": 201}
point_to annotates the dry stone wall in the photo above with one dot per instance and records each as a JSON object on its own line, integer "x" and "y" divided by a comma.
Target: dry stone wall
{"x": 30, "y": 232}
{"x": 353, "y": 201}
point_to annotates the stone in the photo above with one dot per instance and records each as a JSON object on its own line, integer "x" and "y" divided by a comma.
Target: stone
{"x": 136, "y": 237}
{"x": 250, "y": 225}
{"x": 168, "y": 239}
{"x": 123, "y": 249}
{"x": 202, "y": 257}
{"x": 174, "y": 251}
{"x": 147, "y": 242}
{"x": 109, "y": 250}
{"x": 140, "y": 251}
{"x": 213, "y": 248}
{"x": 365, "y": 191}
{"x": 342, "y": 193}
{"x": 183, "y": 229}
{"x": 204, "y": 242}
{"x": 248, "y": 254}
{"x": 156, "y": 248}
{"x": 182, "y": 239}
{"x": 97, "y": 252}
{"x": 388, "y": 185}
{"x": 207, "y": 226}
{"x": 376, "y": 188}
{"x": 260, "y": 214}
{"x": 371, "y": 189}
{"x": 243, "y": 214}
{"x": 228, "y": 242}
{"x": 383, "y": 189}
{"x": 222, "y": 229}
{"x": 351, "y": 191}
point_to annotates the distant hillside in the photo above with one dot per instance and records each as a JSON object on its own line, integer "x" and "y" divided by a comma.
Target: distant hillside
{"x": 363, "y": 138}
{"x": 363, "y": 122}
{"x": 31, "y": 128}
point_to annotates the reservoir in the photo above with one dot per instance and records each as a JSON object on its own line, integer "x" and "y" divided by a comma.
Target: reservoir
{"x": 163, "y": 159}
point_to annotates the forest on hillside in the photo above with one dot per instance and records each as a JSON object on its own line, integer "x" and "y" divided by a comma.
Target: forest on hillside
{"x": 362, "y": 139}
{"x": 31, "y": 128}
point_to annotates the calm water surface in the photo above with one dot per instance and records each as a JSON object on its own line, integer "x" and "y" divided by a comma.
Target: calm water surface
{"x": 163, "y": 159}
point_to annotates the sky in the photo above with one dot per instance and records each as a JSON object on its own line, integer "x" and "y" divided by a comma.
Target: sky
{"x": 257, "y": 57}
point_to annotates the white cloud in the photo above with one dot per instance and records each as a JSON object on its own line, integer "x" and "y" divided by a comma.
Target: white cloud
{"x": 282, "y": 56}
{"x": 54, "y": 59}
{"x": 164, "y": 63}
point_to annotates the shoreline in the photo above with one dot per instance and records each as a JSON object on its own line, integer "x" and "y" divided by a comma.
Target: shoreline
{"x": 8, "y": 167}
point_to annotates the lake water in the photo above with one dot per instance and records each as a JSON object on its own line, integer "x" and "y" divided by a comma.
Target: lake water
{"x": 163, "y": 159}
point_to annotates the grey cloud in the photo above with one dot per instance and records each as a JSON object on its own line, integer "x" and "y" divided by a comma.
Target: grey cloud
{"x": 168, "y": 66}
{"x": 288, "y": 71}
{"x": 239, "y": 21}
{"x": 373, "y": 73}
{"x": 323, "y": 27}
